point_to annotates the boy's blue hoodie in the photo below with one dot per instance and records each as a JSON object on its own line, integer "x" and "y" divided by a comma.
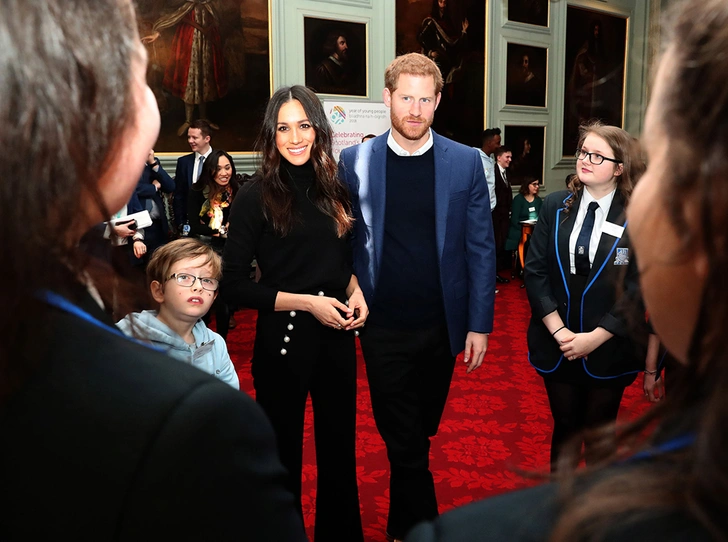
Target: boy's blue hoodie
{"x": 209, "y": 353}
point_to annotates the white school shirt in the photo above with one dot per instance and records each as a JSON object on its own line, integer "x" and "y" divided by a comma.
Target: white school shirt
{"x": 600, "y": 217}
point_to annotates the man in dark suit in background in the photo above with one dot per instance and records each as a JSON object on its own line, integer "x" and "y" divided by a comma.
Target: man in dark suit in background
{"x": 425, "y": 259}
{"x": 502, "y": 211}
{"x": 189, "y": 168}
{"x": 153, "y": 183}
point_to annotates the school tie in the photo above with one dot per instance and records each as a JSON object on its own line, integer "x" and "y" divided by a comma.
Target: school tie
{"x": 581, "y": 258}
{"x": 199, "y": 168}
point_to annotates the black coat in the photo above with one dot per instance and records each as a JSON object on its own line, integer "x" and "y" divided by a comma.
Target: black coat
{"x": 611, "y": 298}
{"x": 111, "y": 440}
{"x": 502, "y": 211}
{"x": 530, "y": 515}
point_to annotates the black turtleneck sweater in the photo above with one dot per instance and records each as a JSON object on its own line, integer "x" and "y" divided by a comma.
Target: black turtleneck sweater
{"x": 311, "y": 258}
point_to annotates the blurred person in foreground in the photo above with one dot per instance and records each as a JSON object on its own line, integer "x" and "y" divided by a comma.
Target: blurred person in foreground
{"x": 103, "y": 438}
{"x": 669, "y": 479}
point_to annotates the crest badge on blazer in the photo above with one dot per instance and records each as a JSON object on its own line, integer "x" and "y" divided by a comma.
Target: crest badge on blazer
{"x": 622, "y": 256}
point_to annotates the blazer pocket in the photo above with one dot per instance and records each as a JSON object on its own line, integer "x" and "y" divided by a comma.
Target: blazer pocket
{"x": 460, "y": 194}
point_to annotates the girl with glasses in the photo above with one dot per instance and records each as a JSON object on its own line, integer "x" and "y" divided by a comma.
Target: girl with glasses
{"x": 586, "y": 339}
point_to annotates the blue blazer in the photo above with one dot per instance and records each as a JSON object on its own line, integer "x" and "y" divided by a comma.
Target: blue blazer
{"x": 146, "y": 191}
{"x": 183, "y": 182}
{"x": 464, "y": 229}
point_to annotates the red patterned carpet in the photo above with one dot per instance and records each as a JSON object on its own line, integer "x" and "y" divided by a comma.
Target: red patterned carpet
{"x": 496, "y": 422}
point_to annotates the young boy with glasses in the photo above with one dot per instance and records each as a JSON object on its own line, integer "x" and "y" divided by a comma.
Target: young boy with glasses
{"x": 184, "y": 277}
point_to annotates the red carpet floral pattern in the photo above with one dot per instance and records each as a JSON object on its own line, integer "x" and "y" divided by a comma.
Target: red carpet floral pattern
{"x": 496, "y": 424}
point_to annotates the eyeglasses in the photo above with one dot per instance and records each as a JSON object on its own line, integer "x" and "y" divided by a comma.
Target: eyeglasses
{"x": 594, "y": 158}
{"x": 187, "y": 280}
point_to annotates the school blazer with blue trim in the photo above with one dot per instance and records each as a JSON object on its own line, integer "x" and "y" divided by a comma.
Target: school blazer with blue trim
{"x": 611, "y": 298}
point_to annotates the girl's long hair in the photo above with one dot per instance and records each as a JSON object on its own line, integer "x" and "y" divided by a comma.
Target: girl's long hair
{"x": 331, "y": 197}
{"x": 66, "y": 103}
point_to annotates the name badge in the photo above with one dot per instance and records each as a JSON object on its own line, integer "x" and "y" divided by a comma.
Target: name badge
{"x": 203, "y": 349}
{"x": 531, "y": 209}
{"x": 613, "y": 229}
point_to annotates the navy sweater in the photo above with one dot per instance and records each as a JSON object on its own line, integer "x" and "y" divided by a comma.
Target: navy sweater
{"x": 409, "y": 294}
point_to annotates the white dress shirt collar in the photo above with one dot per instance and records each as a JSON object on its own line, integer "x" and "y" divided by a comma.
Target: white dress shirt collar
{"x": 397, "y": 148}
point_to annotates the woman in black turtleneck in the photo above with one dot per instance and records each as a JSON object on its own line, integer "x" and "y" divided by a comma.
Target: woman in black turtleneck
{"x": 294, "y": 218}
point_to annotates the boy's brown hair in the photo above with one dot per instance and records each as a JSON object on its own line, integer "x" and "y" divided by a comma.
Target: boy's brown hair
{"x": 167, "y": 255}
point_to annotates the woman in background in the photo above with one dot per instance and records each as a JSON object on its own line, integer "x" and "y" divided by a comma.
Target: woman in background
{"x": 669, "y": 480}
{"x": 294, "y": 218}
{"x": 526, "y": 206}
{"x": 208, "y": 209}
{"x": 151, "y": 449}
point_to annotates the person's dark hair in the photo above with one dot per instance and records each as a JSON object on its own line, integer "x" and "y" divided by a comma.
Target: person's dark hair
{"x": 330, "y": 45}
{"x": 568, "y": 179}
{"x": 207, "y": 183}
{"x": 627, "y": 151}
{"x": 65, "y": 104}
{"x": 331, "y": 197}
{"x": 525, "y": 182}
{"x": 692, "y": 480}
{"x": 490, "y": 133}
{"x": 502, "y": 150}
{"x": 368, "y": 136}
{"x": 202, "y": 125}
{"x": 435, "y": 12}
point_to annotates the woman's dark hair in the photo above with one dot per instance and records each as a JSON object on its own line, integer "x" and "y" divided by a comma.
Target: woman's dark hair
{"x": 331, "y": 197}
{"x": 627, "y": 151}
{"x": 207, "y": 177}
{"x": 693, "y": 480}
{"x": 525, "y": 182}
{"x": 65, "y": 105}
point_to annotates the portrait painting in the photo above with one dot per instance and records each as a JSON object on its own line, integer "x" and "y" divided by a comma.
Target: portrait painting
{"x": 208, "y": 59}
{"x": 335, "y": 54}
{"x": 452, "y": 34}
{"x": 596, "y": 46}
{"x": 526, "y": 76}
{"x": 527, "y": 144}
{"x": 534, "y": 12}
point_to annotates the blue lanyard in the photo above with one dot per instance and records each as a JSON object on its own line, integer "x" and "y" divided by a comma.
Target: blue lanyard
{"x": 64, "y": 304}
{"x": 672, "y": 445}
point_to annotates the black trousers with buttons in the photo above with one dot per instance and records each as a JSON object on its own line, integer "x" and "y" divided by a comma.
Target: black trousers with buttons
{"x": 295, "y": 356}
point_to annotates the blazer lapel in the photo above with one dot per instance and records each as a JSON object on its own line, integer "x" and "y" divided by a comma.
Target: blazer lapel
{"x": 376, "y": 194}
{"x": 616, "y": 215}
{"x": 443, "y": 171}
{"x": 566, "y": 226}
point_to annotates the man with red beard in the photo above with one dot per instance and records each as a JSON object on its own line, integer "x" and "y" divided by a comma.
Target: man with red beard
{"x": 425, "y": 258}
